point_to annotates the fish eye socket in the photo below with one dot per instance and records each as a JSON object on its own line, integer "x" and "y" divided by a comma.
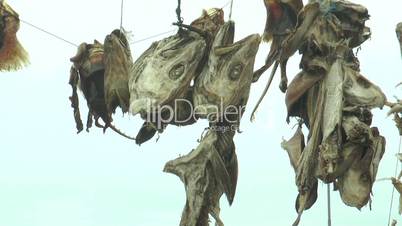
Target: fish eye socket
{"x": 176, "y": 72}
{"x": 236, "y": 72}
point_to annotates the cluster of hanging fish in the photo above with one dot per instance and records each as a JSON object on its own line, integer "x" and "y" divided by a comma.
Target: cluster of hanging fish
{"x": 200, "y": 64}
{"x": 329, "y": 96}
{"x": 12, "y": 55}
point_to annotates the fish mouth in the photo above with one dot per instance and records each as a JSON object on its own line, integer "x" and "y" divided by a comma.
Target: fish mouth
{"x": 253, "y": 41}
{"x": 144, "y": 106}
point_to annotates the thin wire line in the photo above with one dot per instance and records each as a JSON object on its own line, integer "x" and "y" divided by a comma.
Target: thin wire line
{"x": 153, "y": 36}
{"x": 49, "y": 33}
{"x": 121, "y": 14}
{"x": 393, "y": 188}
{"x": 329, "y": 204}
{"x": 231, "y": 10}
{"x": 226, "y": 4}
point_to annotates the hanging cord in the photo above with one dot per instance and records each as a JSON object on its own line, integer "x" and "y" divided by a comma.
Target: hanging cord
{"x": 49, "y": 33}
{"x": 226, "y": 4}
{"x": 393, "y": 188}
{"x": 178, "y": 13}
{"x": 231, "y": 10}
{"x": 121, "y": 15}
{"x": 329, "y": 204}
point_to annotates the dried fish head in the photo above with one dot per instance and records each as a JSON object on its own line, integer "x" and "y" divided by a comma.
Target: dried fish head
{"x": 12, "y": 55}
{"x": 118, "y": 63}
{"x": 163, "y": 73}
{"x": 225, "y": 82}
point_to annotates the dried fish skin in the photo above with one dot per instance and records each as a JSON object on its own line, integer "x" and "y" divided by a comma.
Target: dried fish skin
{"x": 355, "y": 186}
{"x": 399, "y": 35}
{"x": 361, "y": 92}
{"x": 118, "y": 63}
{"x": 282, "y": 17}
{"x": 210, "y": 21}
{"x": 226, "y": 79}
{"x": 13, "y": 56}
{"x": 164, "y": 72}
{"x": 294, "y": 147}
{"x": 207, "y": 172}
{"x": 89, "y": 67}
{"x": 356, "y": 131}
{"x": 305, "y": 200}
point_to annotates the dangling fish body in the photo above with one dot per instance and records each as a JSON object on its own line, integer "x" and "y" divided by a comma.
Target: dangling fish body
{"x": 281, "y": 21}
{"x": 101, "y": 73}
{"x": 207, "y": 172}
{"x": 12, "y": 55}
{"x": 118, "y": 63}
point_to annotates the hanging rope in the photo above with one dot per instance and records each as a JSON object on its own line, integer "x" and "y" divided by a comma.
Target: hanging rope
{"x": 231, "y": 10}
{"x": 393, "y": 188}
{"x": 178, "y": 13}
{"x": 226, "y": 4}
{"x": 121, "y": 14}
{"x": 329, "y": 204}
{"x": 49, "y": 33}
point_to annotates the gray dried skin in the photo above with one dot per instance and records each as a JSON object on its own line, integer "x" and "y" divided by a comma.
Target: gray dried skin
{"x": 225, "y": 81}
{"x": 360, "y": 92}
{"x": 294, "y": 147}
{"x": 355, "y": 186}
{"x": 356, "y": 131}
{"x": 399, "y": 35}
{"x": 12, "y": 55}
{"x": 163, "y": 73}
{"x": 207, "y": 172}
{"x": 333, "y": 100}
{"x": 118, "y": 63}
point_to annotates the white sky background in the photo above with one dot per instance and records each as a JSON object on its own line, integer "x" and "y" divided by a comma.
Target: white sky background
{"x": 49, "y": 176}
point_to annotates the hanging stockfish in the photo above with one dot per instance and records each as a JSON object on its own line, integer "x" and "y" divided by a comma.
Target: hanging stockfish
{"x": 221, "y": 93}
{"x": 161, "y": 76}
{"x": 334, "y": 101}
{"x": 101, "y": 73}
{"x": 12, "y": 55}
{"x": 281, "y": 22}
{"x": 208, "y": 172}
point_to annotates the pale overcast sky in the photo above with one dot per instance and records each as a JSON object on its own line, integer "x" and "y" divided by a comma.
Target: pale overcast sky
{"x": 49, "y": 176}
